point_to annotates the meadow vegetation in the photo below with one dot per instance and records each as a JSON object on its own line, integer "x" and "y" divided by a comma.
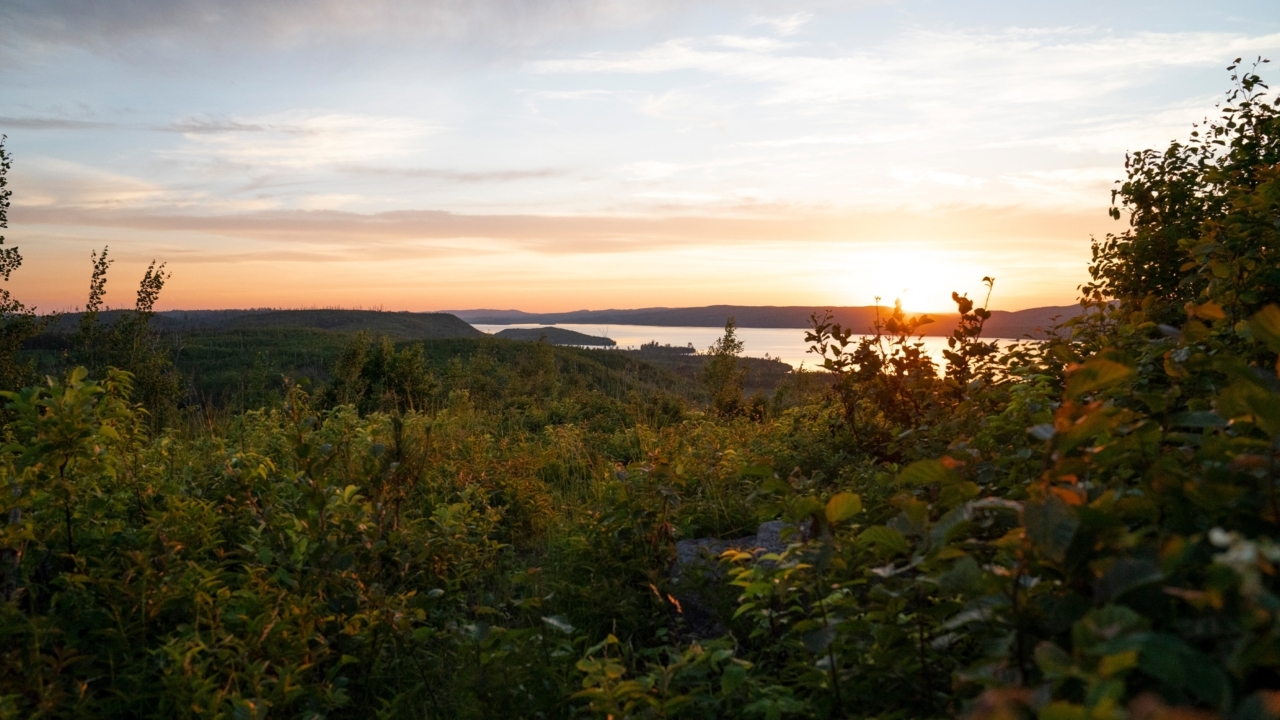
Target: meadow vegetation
{"x": 1083, "y": 527}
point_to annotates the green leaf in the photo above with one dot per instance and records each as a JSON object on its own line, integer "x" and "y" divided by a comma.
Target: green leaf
{"x": 1104, "y": 625}
{"x": 1097, "y": 373}
{"x": 558, "y": 622}
{"x": 924, "y": 472}
{"x": 963, "y": 576}
{"x": 886, "y": 538}
{"x": 1173, "y": 662}
{"x": 1124, "y": 574}
{"x": 843, "y": 506}
{"x": 775, "y": 485}
{"x": 1118, "y": 663}
{"x": 1244, "y": 398}
{"x": 817, "y": 641}
{"x": 1054, "y": 662}
{"x": 806, "y": 506}
{"x": 1266, "y": 326}
{"x": 733, "y": 677}
{"x": 1051, "y": 524}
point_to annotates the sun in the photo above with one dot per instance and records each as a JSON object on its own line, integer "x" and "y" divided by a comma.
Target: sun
{"x": 921, "y": 276}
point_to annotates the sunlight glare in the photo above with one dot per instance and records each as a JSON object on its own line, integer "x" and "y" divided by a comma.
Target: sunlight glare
{"x": 922, "y": 277}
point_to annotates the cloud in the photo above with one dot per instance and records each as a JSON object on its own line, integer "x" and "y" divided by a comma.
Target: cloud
{"x": 754, "y": 44}
{"x": 476, "y": 176}
{"x": 867, "y": 139}
{"x": 382, "y": 233}
{"x": 47, "y": 123}
{"x": 48, "y": 182}
{"x": 200, "y": 126}
{"x": 921, "y": 68}
{"x": 298, "y": 140}
{"x": 785, "y": 25}
{"x": 110, "y": 25}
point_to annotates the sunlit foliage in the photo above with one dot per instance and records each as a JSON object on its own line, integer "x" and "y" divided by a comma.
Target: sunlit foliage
{"x": 1083, "y": 527}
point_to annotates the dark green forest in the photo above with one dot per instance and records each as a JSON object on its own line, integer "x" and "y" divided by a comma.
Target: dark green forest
{"x": 276, "y": 520}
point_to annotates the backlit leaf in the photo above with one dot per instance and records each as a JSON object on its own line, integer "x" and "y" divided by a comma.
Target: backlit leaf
{"x": 843, "y": 506}
{"x": 1266, "y": 326}
{"x": 924, "y": 472}
{"x": 1097, "y": 373}
{"x": 1208, "y": 311}
{"x": 1051, "y": 524}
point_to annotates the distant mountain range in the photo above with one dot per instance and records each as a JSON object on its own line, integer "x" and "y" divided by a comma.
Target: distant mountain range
{"x": 1016, "y": 324}
{"x": 458, "y": 323}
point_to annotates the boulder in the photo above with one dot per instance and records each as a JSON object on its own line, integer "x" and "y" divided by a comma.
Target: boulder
{"x": 699, "y": 578}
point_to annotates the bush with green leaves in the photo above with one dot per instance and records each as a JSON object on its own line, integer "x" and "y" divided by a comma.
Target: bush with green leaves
{"x": 1080, "y": 527}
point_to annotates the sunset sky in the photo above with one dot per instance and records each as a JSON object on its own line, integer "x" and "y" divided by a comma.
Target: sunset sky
{"x": 573, "y": 154}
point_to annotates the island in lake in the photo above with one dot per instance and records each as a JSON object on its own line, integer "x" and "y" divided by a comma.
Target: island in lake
{"x": 556, "y": 336}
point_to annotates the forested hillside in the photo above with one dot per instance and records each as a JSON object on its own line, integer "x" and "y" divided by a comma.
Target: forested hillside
{"x": 1084, "y": 527}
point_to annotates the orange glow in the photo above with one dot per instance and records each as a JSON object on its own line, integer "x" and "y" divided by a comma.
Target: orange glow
{"x": 436, "y": 261}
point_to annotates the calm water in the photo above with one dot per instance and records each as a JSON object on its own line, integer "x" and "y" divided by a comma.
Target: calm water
{"x": 786, "y": 344}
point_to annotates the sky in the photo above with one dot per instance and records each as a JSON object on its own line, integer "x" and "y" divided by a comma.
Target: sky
{"x": 590, "y": 154}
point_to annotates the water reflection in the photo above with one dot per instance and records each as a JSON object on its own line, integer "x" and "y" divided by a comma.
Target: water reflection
{"x": 786, "y": 344}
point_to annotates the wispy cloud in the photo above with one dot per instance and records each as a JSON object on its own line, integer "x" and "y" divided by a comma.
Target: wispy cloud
{"x": 566, "y": 234}
{"x": 473, "y": 176}
{"x": 50, "y": 123}
{"x": 52, "y": 182}
{"x": 867, "y": 139}
{"x": 1016, "y": 66}
{"x": 202, "y": 126}
{"x": 314, "y": 22}
{"x": 783, "y": 25}
{"x": 297, "y": 140}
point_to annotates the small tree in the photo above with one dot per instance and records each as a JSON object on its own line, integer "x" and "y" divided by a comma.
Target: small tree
{"x": 373, "y": 375}
{"x": 129, "y": 342}
{"x": 17, "y": 322}
{"x": 722, "y": 375}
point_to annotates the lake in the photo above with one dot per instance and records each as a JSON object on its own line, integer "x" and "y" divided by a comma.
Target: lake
{"x": 786, "y": 344}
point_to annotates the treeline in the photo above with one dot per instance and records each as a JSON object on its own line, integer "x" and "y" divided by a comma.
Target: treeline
{"x": 1083, "y": 527}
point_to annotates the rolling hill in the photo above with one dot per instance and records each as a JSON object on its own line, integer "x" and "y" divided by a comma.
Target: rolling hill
{"x": 556, "y": 336}
{"x": 396, "y": 325}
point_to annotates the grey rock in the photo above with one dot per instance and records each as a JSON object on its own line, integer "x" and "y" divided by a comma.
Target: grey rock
{"x": 704, "y": 553}
{"x": 773, "y": 536}
{"x": 698, "y": 576}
